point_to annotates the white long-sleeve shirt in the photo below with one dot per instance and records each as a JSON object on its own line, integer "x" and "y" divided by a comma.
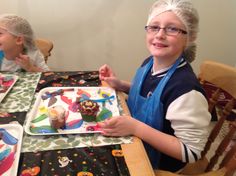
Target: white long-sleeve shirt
{"x": 36, "y": 58}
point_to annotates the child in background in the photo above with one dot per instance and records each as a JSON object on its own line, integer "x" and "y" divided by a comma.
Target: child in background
{"x": 17, "y": 44}
{"x": 167, "y": 103}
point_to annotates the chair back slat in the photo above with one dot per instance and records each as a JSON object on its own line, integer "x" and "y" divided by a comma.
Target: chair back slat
{"x": 213, "y": 100}
{"x": 229, "y": 160}
{"x": 215, "y": 131}
{"x": 221, "y": 148}
{"x": 45, "y": 46}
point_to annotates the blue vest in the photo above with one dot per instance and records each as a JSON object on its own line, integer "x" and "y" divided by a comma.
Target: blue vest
{"x": 149, "y": 110}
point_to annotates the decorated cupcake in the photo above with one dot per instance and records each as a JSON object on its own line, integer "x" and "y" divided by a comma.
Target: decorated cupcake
{"x": 56, "y": 116}
{"x": 88, "y": 110}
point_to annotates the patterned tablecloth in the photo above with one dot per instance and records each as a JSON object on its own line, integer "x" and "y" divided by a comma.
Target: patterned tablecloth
{"x": 20, "y": 97}
{"x": 87, "y": 161}
{"x": 83, "y": 154}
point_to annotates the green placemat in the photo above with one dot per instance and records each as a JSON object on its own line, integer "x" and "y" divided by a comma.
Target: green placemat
{"x": 20, "y": 97}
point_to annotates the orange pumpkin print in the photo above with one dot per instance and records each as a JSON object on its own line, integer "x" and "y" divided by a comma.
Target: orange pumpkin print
{"x": 117, "y": 153}
{"x": 32, "y": 171}
{"x": 84, "y": 173}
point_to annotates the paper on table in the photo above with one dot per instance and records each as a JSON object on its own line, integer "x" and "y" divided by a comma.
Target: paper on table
{"x": 55, "y": 142}
{"x": 11, "y": 140}
{"x": 7, "y": 81}
{"x": 38, "y": 122}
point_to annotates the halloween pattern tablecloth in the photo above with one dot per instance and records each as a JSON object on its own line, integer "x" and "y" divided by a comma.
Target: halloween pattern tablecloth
{"x": 71, "y": 155}
{"x": 87, "y": 161}
{"x": 69, "y": 79}
{"x": 17, "y": 117}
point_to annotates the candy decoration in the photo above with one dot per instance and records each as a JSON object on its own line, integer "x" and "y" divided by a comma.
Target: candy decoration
{"x": 43, "y": 110}
{"x": 104, "y": 95}
{"x": 93, "y": 128}
{"x": 102, "y": 100}
{"x": 104, "y": 114}
{"x": 4, "y": 153}
{"x": 7, "y": 163}
{"x": 74, "y": 107}
{"x": 83, "y": 93}
{"x": 39, "y": 118}
{"x": 66, "y": 100}
{"x": 74, "y": 124}
{"x": 46, "y": 95}
{"x": 5, "y": 83}
{"x": 42, "y": 129}
{"x": 66, "y": 115}
{"x": 7, "y": 137}
{"x": 52, "y": 101}
{"x": 52, "y": 94}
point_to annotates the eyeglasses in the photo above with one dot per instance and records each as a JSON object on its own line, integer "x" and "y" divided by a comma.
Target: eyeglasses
{"x": 169, "y": 30}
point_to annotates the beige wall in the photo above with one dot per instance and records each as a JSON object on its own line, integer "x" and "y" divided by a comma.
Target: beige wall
{"x": 89, "y": 33}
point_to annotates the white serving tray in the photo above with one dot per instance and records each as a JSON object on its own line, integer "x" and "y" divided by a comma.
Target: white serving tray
{"x": 15, "y": 78}
{"x": 42, "y": 127}
{"x": 16, "y": 131}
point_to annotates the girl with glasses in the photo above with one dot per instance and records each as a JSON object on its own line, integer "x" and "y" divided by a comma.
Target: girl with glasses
{"x": 168, "y": 106}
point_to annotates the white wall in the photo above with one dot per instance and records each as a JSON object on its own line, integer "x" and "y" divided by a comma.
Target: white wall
{"x": 217, "y": 36}
{"x": 89, "y": 33}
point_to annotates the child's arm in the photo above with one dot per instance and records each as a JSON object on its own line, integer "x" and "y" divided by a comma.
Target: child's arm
{"x": 165, "y": 143}
{"x": 125, "y": 125}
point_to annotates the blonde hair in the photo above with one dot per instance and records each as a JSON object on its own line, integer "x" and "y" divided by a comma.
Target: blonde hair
{"x": 18, "y": 26}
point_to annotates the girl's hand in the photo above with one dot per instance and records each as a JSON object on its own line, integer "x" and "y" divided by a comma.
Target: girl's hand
{"x": 24, "y": 62}
{"x": 106, "y": 74}
{"x": 119, "y": 126}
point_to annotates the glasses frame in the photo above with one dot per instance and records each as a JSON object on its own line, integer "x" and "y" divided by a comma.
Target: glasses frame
{"x": 156, "y": 29}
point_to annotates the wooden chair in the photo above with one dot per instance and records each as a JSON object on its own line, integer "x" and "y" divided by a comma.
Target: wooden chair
{"x": 45, "y": 46}
{"x": 224, "y": 77}
{"x": 227, "y": 168}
